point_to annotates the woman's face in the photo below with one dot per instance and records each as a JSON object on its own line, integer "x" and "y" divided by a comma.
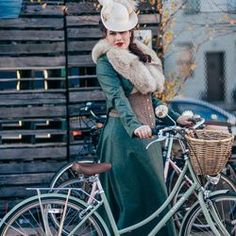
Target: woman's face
{"x": 119, "y": 39}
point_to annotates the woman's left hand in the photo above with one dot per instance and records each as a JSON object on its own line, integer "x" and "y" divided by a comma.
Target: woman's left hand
{"x": 185, "y": 121}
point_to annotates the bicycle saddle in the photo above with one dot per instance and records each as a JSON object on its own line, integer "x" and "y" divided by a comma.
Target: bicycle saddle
{"x": 91, "y": 168}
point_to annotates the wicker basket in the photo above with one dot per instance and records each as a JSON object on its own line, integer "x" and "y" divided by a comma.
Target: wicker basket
{"x": 209, "y": 150}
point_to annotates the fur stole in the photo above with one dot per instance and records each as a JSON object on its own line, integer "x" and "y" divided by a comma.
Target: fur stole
{"x": 146, "y": 77}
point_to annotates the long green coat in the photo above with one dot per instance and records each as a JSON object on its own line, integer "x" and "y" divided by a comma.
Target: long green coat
{"x": 135, "y": 186}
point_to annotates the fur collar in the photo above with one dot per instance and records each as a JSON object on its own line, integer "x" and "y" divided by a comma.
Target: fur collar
{"x": 146, "y": 77}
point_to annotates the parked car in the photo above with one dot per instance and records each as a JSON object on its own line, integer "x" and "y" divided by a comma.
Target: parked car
{"x": 206, "y": 110}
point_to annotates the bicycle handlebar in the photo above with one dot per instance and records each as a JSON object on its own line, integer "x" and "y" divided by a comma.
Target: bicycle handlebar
{"x": 90, "y": 107}
{"x": 161, "y": 131}
{"x": 197, "y": 120}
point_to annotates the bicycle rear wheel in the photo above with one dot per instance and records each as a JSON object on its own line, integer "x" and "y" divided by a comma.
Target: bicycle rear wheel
{"x": 77, "y": 185}
{"x": 45, "y": 218}
{"x": 195, "y": 223}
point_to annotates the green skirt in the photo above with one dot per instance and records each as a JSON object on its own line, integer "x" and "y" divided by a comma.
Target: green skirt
{"x": 135, "y": 185}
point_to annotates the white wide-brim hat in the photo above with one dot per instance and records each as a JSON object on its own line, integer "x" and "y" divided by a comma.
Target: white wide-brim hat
{"x": 117, "y": 18}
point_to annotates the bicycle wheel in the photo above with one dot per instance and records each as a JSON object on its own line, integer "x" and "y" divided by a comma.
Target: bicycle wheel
{"x": 66, "y": 173}
{"x": 35, "y": 218}
{"x": 77, "y": 185}
{"x": 195, "y": 223}
{"x": 223, "y": 183}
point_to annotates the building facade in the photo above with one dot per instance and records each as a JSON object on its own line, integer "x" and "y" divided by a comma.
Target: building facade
{"x": 204, "y": 41}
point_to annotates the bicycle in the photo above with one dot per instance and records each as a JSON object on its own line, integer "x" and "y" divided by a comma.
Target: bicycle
{"x": 58, "y": 214}
{"x": 172, "y": 170}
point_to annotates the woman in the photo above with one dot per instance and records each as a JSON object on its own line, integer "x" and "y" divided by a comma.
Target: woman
{"x": 129, "y": 72}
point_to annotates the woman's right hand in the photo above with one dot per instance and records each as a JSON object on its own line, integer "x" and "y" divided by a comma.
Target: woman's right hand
{"x": 143, "y": 131}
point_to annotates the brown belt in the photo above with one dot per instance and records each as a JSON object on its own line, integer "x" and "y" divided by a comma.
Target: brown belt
{"x": 113, "y": 113}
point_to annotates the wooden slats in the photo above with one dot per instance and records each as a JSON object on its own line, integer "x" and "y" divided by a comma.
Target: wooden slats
{"x": 9, "y": 63}
{"x": 33, "y": 40}
{"x": 32, "y": 152}
{"x": 39, "y": 178}
{"x": 31, "y": 35}
{"x": 33, "y": 48}
{"x": 80, "y": 60}
{"x": 42, "y": 10}
{"x": 83, "y": 95}
{"x": 81, "y": 46}
{"x": 24, "y": 98}
{"x": 82, "y": 7}
{"x": 30, "y": 167}
{"x": 32, "y": 132}
{"x": 32, "y": 23}
{"x": 39, "y": 112}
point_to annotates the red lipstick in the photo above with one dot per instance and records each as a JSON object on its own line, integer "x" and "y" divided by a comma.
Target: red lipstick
{"x": 119, "y": 44}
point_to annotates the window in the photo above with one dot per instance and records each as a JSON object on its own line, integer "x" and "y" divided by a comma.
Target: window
{"x": 231, "y": 6}
{"x": 192, "y": 6}
{"x": 215, "y": 76}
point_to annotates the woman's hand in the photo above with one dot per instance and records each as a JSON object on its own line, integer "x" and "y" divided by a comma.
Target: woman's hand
{"x": 185, "y": 121}
{"x": 143, "y": 131}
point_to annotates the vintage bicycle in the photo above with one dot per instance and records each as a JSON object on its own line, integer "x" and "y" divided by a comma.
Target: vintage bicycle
{"x": 213, "y": 213}
{"x": 68, "y": 178}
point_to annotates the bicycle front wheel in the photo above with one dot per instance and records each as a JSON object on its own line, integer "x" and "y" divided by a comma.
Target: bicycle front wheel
{"x": 224, "y": 183}
{"x": 196, "y": 224}
{"x": 47, "y": 216}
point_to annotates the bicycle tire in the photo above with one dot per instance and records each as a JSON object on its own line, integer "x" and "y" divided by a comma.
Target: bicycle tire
{"x": 26, "y": 218}
{"x": 76, "y": 184}
{"x": 225, "y": 183}
{"x": 194, "y": 222}
{"x": 66, "y": 173}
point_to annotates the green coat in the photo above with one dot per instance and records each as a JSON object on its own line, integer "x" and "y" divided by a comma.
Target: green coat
{"x": 135, "y": 186}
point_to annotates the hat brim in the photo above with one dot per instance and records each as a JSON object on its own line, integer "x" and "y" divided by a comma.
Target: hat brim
{"x": 119, "y": 26}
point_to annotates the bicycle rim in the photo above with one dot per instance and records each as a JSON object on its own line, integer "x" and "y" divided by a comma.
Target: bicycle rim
{"x": 27, "y": 219}
{"x": 195, "y": 223}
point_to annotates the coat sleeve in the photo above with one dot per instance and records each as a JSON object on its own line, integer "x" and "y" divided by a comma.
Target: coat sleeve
{"x": 174, "y": 115}
{"x": 111, "y": 86}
